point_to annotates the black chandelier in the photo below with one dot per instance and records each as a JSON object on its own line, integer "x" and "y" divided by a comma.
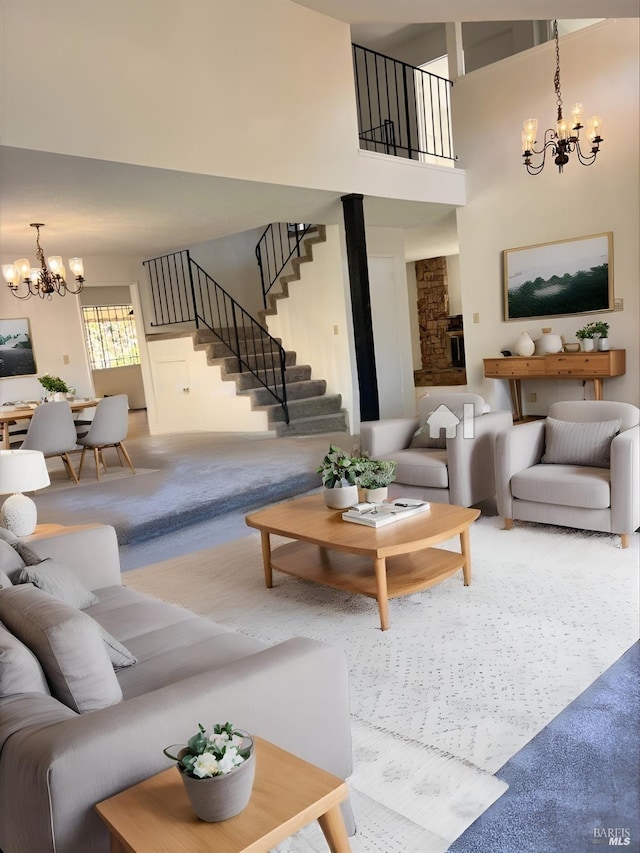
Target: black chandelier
{"x": 565, "y": 139}
{"x": 25, "y": 281}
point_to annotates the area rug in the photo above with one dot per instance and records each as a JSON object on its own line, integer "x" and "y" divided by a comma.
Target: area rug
{"x": 463, "y": 678}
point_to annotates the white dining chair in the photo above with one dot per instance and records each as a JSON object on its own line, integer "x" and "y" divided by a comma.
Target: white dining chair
{"x": 108, "y": 428}
{"x": 52, "y": 431}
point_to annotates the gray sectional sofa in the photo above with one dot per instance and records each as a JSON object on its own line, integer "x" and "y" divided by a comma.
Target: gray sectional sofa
{"x": 80, "y": 722}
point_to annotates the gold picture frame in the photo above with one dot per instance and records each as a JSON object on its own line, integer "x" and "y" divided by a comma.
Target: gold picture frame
{"x": 559, "y": 279}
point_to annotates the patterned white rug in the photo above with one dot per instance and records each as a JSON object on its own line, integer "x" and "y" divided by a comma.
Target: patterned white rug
{"x": 461, "y": 681}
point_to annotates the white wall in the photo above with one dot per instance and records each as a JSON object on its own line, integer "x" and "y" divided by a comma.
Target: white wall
{"x": 231, "y": 261}
{"x": 253, "y": 90}
{"x": 390, "y": 317}
{"x": 184, "y": 393}
{"x": 508, "y": 208}
{"x": 58, "y": 344}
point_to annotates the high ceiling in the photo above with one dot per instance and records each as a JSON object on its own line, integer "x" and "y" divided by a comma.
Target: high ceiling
{"x": 94, "y": 207}
{"x": 437, "y": 11}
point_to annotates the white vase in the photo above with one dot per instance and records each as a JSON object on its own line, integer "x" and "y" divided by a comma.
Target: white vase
{"x": 341, "y": 497}
{"x": 587, "y": 345}
{"x": 548, "y": 343}
{"x": 603, "y": 344}
{"x": 59, "y": 396}
{"x": 525, "y": 345}
{"x": 376, "y": 496}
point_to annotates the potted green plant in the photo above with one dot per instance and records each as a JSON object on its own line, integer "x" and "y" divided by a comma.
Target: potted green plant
{"x": 57, "y": 388}
{"x": 340, "y": 472}
{"x": 217, "y": 769}
{"x": 586, "y": 335}
{"x": 375, "y": 477}
{"x": 602, "y": 331}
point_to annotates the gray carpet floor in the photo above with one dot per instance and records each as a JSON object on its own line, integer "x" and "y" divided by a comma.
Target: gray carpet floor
{"x": 197, "y": 478}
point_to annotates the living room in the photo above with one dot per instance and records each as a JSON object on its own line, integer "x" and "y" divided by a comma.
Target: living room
{"x": 223, "y": 188}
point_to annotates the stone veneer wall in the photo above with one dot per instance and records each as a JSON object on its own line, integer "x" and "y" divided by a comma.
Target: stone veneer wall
{"x": 434, "y": 324}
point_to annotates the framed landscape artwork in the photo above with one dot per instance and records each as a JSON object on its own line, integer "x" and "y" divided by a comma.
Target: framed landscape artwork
{"x": 556, "y": 279}
{"x": 16, "y": 349}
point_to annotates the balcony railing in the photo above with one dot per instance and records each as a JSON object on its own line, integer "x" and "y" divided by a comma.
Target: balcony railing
{"x": 402, "y": 110}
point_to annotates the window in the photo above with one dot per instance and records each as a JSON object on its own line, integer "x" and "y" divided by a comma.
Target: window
{"x": 110, "y": 333}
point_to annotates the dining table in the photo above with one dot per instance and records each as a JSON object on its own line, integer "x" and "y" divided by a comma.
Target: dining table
{"x": 11, "y": 414}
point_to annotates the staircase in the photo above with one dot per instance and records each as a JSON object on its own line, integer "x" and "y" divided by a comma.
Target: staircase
{"x": 314, "y": 234}
{"x": 183, "y": 292}
{"x": 311, "y": 410}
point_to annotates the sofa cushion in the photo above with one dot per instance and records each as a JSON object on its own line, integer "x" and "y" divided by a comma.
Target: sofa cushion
{"x": 119, "y": 655}
{"x": 567, "y": 485}
{"x": 10, "y": 560}
{"x": 20, "y": 671}
{"x": 7, "y": 535}
{"x": 422, "y": 439}
{"x": 5, "y": 580}
{"x": 579, "y": 443}
{"x": 28, "y": 555}
{"x": 421, "y": 467}
{"x": 58, "y": 581}
{"x": 68, "y": 645}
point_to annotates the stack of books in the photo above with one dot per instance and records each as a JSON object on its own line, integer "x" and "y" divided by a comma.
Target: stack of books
{"x": 378, "y": 515}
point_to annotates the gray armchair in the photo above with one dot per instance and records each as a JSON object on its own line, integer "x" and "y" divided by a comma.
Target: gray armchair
{"x": 579, "y": 468}
{"x": 456, "y": 467}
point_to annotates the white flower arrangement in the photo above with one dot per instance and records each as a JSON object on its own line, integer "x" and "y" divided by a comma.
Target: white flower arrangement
{"x": 212, "y": 754}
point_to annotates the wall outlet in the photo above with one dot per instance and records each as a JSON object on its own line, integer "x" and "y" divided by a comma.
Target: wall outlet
{"x": 618, "y": 304}
{"x": 532, "y": 397}
{"x": 476, "y": 318}
{"x": 335, "y": 330}
{"x": 65, "y": 359}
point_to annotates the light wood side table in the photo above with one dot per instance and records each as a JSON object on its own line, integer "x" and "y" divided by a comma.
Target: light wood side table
{"x": 155, "y": 816}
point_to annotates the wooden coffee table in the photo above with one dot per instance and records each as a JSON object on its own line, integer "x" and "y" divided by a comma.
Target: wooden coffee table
{"x": 288, "y": 793}
{"x": 382, "y": 563}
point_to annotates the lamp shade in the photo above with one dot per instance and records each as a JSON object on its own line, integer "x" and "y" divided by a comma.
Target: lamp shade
{"x": 22, "y": 471}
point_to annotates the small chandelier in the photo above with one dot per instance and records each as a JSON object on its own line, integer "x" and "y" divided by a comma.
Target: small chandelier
{"x": 565, "y": 139}
{"x": 42, "y": 281}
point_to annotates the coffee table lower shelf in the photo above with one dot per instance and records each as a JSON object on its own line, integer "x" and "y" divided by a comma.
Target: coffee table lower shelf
{"x": 406, "y": 573}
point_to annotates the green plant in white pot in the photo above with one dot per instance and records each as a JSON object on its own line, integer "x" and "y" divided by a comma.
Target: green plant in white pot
{"x": 57, "y": 388}
{"x": 586, "y": 335}
{"x": 602, "y": 331}
{"x": 340, "y": 472}
{"x": 376, "y": 477}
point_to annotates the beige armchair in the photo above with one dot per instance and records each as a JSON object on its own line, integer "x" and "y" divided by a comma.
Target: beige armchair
{"x": 457, "y": 466}
{"x": 579, "y": 468}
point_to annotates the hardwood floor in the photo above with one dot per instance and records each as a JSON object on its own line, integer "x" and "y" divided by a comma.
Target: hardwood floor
{"x": 138, "y": 423}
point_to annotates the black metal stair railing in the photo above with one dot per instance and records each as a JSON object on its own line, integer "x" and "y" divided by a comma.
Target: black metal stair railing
{"x": 402, "y": 110}
{"x": 182, "y": 292}
{"x": 279, "y": 243}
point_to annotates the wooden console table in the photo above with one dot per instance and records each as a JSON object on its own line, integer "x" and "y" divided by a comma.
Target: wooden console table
{"x": 595, "y": 366}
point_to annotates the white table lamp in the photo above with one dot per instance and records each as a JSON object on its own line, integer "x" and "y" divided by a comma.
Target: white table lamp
{"x": 21, "y": 471}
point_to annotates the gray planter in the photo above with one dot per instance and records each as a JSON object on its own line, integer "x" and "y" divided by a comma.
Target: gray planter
{"x": 221, "y": 797}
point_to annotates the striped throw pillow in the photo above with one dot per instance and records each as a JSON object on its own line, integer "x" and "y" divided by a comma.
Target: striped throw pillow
{"x": 579, "y": 443}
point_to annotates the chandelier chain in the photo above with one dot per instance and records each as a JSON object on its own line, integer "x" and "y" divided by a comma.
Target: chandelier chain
{"x": 556, "y": 79}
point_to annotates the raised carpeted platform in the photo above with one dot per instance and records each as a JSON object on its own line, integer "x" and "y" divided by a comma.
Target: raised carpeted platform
{"x": 189, "y": 478}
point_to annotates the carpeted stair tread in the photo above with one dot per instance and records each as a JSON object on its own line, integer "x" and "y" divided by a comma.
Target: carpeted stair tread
{"x": 246, "y": 380}
{"x": 306, "y": 408}
{"x": 230, "y": 364}
{"x": 316, "y": 425}
{"x": 295, "y": 391}
{"x": 218, "y": 349}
